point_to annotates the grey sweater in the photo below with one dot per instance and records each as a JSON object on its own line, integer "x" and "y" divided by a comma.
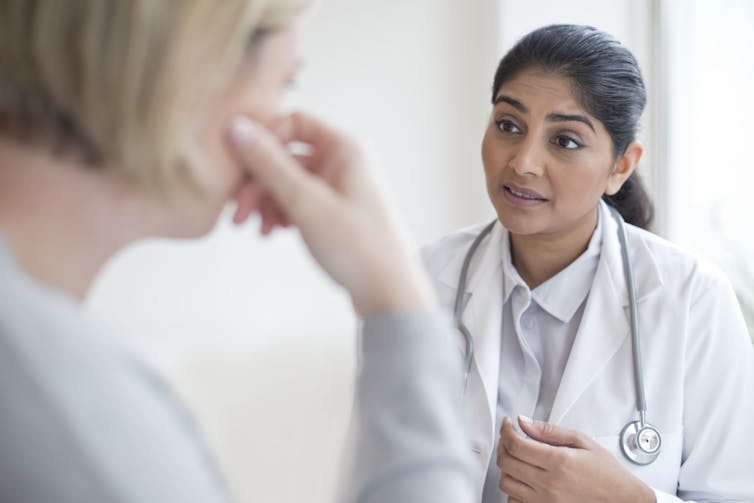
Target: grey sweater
{"x": 83, "y": 422}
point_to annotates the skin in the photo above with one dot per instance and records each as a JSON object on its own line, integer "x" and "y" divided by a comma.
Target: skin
{"x": 256, "y": 90}
{"x": 541, "y": 138}
{"x": 566, "y": 161}
{"x": 87, "y": 215}
{"x": 556, "y": 465}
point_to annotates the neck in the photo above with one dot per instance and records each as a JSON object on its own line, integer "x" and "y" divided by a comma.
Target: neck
{"x": 539, "y": 257}
{"x": 62, "y": 220}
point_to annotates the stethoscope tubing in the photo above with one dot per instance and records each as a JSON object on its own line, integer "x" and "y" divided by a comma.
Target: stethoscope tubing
{"x": 630, "y": 441}
{"x": 641, "y": 403}
{"x": 458, "y": 305}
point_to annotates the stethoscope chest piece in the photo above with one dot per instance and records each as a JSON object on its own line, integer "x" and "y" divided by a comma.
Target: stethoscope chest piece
{"x": 640, "y": 444}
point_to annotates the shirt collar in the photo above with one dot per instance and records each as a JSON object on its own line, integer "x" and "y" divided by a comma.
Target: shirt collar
{"x": 562, "y": 294}
{"x": 511, "y": 278}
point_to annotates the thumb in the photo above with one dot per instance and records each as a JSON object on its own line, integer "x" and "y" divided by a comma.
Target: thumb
{"x": 264, "y": 157}
{"x": 550, "y": 434}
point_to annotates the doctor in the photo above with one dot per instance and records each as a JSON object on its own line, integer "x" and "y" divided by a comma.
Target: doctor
{"x": 546, "y": 300}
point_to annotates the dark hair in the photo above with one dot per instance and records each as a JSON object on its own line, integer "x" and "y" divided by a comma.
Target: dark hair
{"x": 608, "y": 84}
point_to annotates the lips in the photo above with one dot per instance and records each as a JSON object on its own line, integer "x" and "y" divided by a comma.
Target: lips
{"x": 523, "y": 193}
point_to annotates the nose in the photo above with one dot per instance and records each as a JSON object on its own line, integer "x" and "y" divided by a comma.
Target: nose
{"x": 527, "y": 158}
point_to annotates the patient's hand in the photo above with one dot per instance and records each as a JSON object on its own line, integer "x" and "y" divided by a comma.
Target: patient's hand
{"x": 332, "y": 197}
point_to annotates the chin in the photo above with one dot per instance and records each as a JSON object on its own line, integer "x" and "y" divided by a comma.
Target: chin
{"x": 195, "y": 231}
{"x": 522, "y": 225}
{"x": 194, "y": 224}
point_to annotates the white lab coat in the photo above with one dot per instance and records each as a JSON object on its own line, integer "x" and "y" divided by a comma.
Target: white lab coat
{"x": 697, "y": 356}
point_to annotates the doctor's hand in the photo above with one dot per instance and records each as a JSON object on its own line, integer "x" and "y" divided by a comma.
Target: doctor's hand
{"x": 330, "y": 195}
{"x": 559, "y": 465}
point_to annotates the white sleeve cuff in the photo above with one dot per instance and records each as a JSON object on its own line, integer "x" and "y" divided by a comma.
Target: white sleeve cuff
{"x": 663, "y": 497}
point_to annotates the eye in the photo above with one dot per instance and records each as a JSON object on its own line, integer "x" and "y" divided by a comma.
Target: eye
{"x": 507, "y": 126}
{"x": 566, "y": 142}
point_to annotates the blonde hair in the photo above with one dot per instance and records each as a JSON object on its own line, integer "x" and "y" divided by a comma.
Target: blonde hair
{"x": 121, "y": 83}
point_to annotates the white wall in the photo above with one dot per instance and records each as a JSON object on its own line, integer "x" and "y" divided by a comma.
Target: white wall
{"x": 413, "y": 79}
{"x": 256, "y": 340}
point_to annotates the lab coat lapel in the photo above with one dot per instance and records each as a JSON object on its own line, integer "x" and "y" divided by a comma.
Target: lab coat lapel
{"x": 603, "y": 329}
{"x": 483, "y": 311}
{"x": 605, "y": 324}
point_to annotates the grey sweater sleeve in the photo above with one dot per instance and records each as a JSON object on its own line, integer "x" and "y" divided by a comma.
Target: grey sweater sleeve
{"x": 81, "y": 421}
{"x": 106, "y": 431}
{"x": 409, "y": 442}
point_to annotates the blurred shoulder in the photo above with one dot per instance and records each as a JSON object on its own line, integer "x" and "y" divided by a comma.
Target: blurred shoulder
{"x": 439, "y": 253}
{"x": 689, "y": 270}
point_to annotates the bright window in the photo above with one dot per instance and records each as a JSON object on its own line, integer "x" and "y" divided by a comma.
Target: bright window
{"x": 706, "y": 201}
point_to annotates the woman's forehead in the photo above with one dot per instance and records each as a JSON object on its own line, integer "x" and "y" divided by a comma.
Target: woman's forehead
{"x": 541, "y": 88}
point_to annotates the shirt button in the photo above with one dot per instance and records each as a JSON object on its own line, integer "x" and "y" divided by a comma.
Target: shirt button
{"x": 529, "y": 323}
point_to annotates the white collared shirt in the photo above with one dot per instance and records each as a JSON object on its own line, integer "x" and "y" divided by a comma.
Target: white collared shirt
{"x": 537, "y": 333}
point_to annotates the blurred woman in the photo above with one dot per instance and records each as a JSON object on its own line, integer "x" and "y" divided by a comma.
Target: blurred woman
{"x": 125, "y": 119}
{"x": 547, "y": 301}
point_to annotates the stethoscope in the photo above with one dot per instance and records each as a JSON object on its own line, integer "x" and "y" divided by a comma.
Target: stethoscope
{"x": 639, "y": 440}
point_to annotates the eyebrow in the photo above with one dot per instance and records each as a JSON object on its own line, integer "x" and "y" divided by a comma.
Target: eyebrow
{"x": 553, "y": 117}
{"x": 501, "y": 98}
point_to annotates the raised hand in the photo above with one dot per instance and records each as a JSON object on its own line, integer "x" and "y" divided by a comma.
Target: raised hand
{"x": 330, "y": 195}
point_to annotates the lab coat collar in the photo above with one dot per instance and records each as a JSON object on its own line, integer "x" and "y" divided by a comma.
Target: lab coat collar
{"x": 647, "y": 274}
{"x": 487, "y": 256}
{"x": 605, "y": 324}
{"x": 483, "y": 308}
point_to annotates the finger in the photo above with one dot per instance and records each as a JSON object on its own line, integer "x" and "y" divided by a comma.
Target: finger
{"x": 266, "y": 214}
{"x": 319, "y": 141}
{"x": 501, "y": 450}
{"x": 271, "y": 214}
{"x": 247, "y": 201}
{"x": 527, "y": 450}
{"x": 516, "y": 489}
{"x": 302, "y": 133}
{"x": 283, "y": 220}
{"x": 307, "y": 129}
{"x": 326, "y": 145}
{"x": 290, "y": 185}
{"x": 551, "y": 434}
{"x": 279, "y": 218}
{"x": 520, "y": 470}
{"x": 282, "y": 128}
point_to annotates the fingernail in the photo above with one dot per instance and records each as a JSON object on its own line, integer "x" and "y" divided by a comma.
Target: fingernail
{"x": 243, "y": 131}
{"x": 525, "y": 419}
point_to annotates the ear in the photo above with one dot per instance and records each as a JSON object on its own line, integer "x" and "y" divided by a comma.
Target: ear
{"x": 625, "y": 165}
